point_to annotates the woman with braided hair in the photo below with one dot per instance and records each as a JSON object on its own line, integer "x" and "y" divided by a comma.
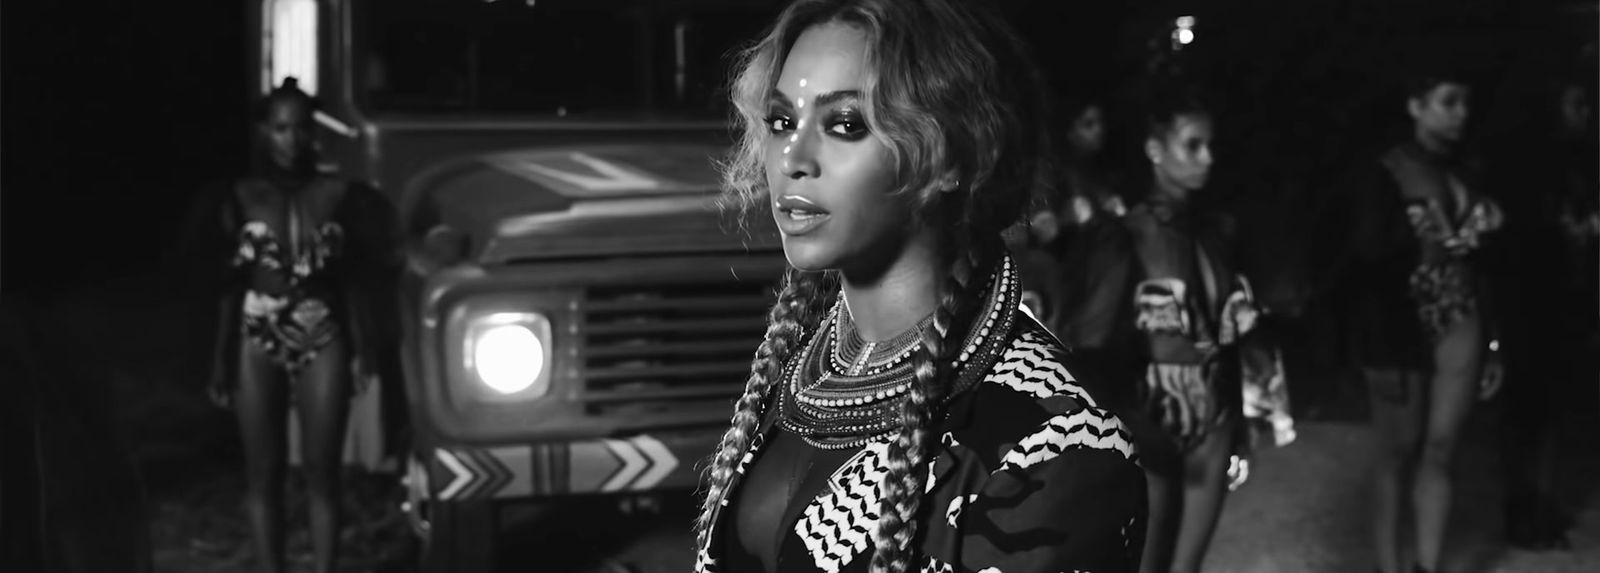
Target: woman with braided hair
{"x": 902, "y": 413}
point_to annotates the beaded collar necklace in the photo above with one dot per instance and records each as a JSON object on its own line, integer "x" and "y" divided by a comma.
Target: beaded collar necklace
{"x": 854, "y": 356}
{"x": 841, "y": 393}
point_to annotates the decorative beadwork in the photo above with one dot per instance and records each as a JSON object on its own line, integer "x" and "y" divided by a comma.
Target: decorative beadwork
{"x": 856, "y": 357}
{"x": 832, "y": 402}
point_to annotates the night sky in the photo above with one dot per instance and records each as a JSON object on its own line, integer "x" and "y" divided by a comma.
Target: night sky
{"x": 115, "y": 113}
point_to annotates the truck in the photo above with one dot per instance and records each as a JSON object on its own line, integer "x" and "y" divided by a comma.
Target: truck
{"x": 575, "y": 317}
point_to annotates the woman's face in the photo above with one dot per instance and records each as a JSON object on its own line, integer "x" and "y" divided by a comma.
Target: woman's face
{"x": 1087, "y": 134}
{"x": 1182, "y": 159}
{"x": 287, "y": 132}
{"x": 831, "y": 182}
{"x": 1442, "y": 112}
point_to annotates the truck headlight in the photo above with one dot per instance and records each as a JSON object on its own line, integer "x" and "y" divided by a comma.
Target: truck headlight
{"x": 509, "y": 353}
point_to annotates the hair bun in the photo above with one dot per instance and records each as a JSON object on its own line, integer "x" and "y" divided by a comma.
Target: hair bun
{"x": 290, "y": 83}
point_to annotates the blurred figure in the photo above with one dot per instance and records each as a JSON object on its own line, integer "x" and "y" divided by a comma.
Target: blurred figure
{"x": 1547, "y": 281}
{"x": 1422, "y": 319}
{"x": 1086, "y": 194}
{"x": 1083, "y": 200}
{"x": 1169, "y": 317}
{"x": 300, "y": 261}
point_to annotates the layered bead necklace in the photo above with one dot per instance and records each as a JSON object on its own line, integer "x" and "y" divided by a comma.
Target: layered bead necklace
{"x": 843, "y": 392}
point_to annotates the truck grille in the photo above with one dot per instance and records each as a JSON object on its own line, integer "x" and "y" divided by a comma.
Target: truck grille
{"x": 671, "y": 343}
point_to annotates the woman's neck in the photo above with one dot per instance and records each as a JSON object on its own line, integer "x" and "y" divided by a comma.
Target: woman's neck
{"x": 1434, "y": 144}
{"x": 1078, "y": 158}
{"x": 285, "y": 177}
{"x": 891, "y": 301}
{"x": 1169, "y": 194}
{"x": 288, "y": 180}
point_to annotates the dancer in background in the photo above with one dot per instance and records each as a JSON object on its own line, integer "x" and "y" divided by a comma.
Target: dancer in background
{"x": 1423, "y": 322}
{"x": 1083, "y": 202}
{"x": 1171, "y": 320}
{"x": 300, "y": 260}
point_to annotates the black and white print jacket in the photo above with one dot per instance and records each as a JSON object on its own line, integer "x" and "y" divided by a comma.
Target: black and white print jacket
{"x": 1030, "y": 476}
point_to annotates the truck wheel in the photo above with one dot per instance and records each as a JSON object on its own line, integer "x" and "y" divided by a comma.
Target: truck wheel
{"x": 461, "y": 537}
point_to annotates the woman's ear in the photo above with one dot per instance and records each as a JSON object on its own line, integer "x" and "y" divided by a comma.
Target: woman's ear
{"x": 1414, "y": 105}
{"x": 947, "y": 182}
{"x": 950, "y": 181}
{"x": 1152, "y": 150}
{"x": 935, "y": 191}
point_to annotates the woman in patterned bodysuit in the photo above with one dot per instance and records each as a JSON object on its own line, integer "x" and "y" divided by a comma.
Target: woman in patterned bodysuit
{"x": 902, "y": 413}
{"x": 299, "y": 259}
{"x": 1422, "y": 319}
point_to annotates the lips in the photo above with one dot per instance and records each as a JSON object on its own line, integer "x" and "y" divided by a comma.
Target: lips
{"x": 798, "y": 215}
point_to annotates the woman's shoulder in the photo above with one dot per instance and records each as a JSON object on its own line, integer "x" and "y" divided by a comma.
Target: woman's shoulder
{"x": 1035, "y": 364}
{"x": 215, "y": 201}
{"x": 1144, "y": 219}
{"x": 1031, "y": 402}
{"x": 354, "y": 194}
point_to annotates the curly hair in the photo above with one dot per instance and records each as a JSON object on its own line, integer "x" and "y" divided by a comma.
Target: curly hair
{"x": 948, "y": 86}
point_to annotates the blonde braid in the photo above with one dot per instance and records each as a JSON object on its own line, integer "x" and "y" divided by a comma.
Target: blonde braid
{"x": 799, "y": 306}
{"x": 908, "y": 453}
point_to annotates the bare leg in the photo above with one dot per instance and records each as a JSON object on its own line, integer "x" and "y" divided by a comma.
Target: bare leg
{"x": 1162, "y": 469}
{"x": 261, "y": 404}
{"x": 1205, "y": 487}
{"x": 324, "y": 394}
{"x": 1396, "y": 401}
{"x": 1458, "y": 361}
{"x": 1161, "y": 531}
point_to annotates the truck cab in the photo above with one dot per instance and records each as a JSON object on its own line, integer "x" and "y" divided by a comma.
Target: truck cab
{"x": 576, "y": 316}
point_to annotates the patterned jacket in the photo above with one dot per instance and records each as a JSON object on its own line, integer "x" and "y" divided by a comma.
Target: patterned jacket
{"x": 1029, "y": 476}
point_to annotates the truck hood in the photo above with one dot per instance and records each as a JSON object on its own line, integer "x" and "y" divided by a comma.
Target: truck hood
{"x": 588, "y": 201}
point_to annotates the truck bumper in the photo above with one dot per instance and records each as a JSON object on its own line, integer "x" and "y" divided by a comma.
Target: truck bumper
{"x": 643, "y": 462}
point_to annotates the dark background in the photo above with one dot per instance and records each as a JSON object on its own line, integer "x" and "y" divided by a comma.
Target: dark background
{"x": 115, "y": 112}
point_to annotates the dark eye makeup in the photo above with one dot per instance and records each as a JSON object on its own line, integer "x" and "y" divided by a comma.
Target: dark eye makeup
{"x": 841, "y": 118}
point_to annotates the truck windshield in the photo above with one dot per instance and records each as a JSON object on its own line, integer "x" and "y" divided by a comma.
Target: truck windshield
{"x": 552, "y": 57}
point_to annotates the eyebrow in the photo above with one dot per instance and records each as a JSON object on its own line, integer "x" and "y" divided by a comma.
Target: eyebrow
{"x": 822, "y": 99}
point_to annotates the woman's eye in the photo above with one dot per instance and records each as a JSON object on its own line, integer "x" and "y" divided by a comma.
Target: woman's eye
{"x": 779, "y": 124}
{"x": 848, "y": 127}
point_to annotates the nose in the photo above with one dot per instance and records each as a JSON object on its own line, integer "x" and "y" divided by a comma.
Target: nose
{"x": 799, "y": 154}
{"x": 1205, "y": 156}
{"x": 288, "y": 137}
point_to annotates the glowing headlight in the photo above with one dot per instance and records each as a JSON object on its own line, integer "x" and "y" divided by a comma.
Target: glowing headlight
{"x": 508, "y": 358}
{"x": 507, "y": 351}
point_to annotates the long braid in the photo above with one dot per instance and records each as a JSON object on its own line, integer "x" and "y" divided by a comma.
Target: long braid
{"x": 908, "y": 454}
{"x": 799, "y": 306}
